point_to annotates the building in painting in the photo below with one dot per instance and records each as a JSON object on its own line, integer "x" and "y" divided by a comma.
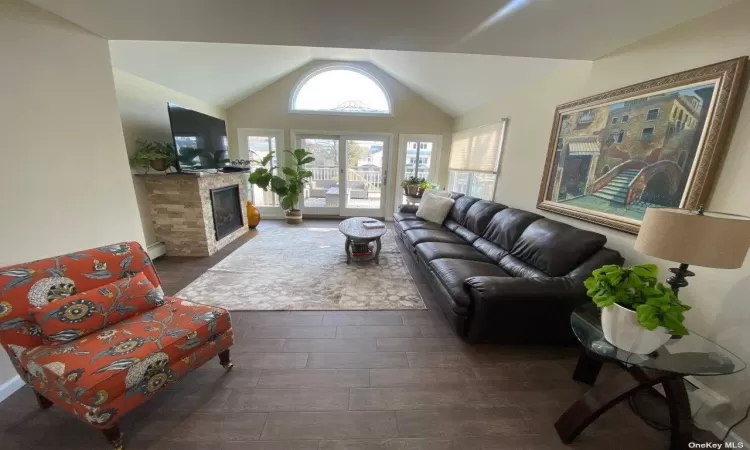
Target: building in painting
{"x": 643, "y": 128}
{"x": 578, "y": 147}
{"x": 638, "y": 151}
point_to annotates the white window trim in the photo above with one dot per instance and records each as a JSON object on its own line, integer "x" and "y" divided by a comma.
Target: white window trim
{"x": 436, "y": 155}
{"x": 269, "y": 212}
{"x": 339, "y": 66}
{"x": 471, "y": 181}
{"x": 389, "y": 206}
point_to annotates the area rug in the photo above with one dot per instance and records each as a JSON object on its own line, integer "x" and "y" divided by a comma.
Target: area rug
{"x": 304, "y": 268}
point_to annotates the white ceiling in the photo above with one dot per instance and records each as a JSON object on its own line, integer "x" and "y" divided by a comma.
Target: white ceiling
{"x": 223, "y": 74}
{"x": 452, "y": 52}
{"x": 565, "y": 29}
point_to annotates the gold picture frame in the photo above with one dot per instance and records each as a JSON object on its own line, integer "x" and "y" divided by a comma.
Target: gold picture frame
{"x": 653, "y": 144}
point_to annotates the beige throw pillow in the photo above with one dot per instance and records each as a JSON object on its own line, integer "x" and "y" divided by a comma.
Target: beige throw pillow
{"x": 433, "y": 208}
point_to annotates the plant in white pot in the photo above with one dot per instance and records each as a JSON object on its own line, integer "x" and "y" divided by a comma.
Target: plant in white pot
{"x": 639, "y": 314}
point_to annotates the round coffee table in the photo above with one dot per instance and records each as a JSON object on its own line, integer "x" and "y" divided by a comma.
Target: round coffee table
{"x": 358, "y": 235}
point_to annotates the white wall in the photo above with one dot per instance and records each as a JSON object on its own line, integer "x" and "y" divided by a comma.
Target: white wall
{"x": 719, "y": 297}
{"x": 65, "y": 181}
{"x": 143, "y": 112}
{"x": 412, "y": 114}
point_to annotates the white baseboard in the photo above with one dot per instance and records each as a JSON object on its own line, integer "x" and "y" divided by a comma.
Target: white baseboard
{"x": 11, "y": 386}
{"x": 719, "y": 430}
{"x": 156, "y": 250}
{"x": 710, "y": 403}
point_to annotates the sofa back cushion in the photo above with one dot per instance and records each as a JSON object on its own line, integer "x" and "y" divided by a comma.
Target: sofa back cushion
{"x": 479, "y": 215}
{"x": 507, "y": 226}
{"x": 461, "y": 207}
{"x": 554, "y": 247}
{"x": 75, "y": 316}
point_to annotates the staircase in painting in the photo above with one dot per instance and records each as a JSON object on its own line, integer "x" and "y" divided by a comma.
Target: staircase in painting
{"x": 617, "y": 189}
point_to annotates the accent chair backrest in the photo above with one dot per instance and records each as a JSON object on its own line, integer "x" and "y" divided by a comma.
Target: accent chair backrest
{"x": 34, "y": 284}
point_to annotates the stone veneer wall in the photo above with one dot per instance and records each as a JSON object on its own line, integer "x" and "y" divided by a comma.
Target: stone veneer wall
{"x": 180, "y": 207}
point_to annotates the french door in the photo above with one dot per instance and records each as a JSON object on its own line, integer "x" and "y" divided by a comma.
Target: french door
{"x": 254, "y": 144}
{"x": 349, "y": 174}
{"x": 418, "y": 156}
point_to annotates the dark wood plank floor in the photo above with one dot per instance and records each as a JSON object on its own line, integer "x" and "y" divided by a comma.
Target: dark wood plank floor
{"x": 346, "y": 380}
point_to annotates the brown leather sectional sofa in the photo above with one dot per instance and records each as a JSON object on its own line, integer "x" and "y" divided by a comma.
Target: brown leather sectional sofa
{"x": 502, "y": 274}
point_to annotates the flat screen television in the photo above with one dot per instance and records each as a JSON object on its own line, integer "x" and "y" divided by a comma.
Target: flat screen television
{"x": 200, "y": 141}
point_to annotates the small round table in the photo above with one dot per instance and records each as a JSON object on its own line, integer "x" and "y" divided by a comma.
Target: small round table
{"x": 689, "y": 355}
{"x": 357, "y": 234}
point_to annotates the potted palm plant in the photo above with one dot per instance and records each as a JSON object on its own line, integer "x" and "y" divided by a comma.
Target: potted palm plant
{"x": 639, "y": 314}
{"x": 290, "y": 188}
{"x": 153, "y": 154}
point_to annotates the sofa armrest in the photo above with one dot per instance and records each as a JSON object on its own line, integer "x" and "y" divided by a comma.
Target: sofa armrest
{"x": 408, "y": 208}
{"x": 508, "y": 289}
{"x": 523, "y": 310}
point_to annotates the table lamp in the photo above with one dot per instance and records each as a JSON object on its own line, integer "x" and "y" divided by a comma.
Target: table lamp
{"x": 702, "y": 238}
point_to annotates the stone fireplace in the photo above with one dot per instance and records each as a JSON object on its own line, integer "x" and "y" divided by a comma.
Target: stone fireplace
{"x": 197, "y": 214}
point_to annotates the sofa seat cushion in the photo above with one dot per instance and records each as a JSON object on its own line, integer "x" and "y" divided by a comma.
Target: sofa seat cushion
{"x": 399, "y": 216}
{"x": 453, "y": 272}
{"x": 129, "y": 356}
{"x": 419, "y": 225}
{"x": 429, "y": 251}
{"x": 418, "y": 236}
{"x": 81, "y": 314}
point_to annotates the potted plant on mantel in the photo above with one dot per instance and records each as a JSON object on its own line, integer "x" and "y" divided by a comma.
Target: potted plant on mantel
{"x": 288, "y": 189}
{"x": 639, "y": 314}
{"x": 153, "y": 154}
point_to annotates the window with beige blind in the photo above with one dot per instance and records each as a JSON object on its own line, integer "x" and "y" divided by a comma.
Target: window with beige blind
{"x": 475, "y": 160}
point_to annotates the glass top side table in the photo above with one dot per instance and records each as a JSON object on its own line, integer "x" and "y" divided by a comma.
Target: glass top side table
{"x": 690, "y": 355}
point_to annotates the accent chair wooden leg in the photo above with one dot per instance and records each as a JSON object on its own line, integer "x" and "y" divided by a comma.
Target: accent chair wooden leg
{"x": 43, "y": 401}
{"x": 114, "y": 436}
{"x": 224, "y": 360}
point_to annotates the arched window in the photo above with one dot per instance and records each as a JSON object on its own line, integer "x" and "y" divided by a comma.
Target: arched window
{"x": 340, "y": 90}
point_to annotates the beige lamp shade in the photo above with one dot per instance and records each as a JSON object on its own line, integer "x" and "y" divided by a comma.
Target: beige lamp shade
{"x": 709, "y": 239}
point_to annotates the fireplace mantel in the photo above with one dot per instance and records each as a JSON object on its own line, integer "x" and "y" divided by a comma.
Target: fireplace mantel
{"x": 180, "y": 206}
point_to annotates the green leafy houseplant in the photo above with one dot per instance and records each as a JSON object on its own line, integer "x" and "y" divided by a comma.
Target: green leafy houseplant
{"x": 290, "y": 188}
{"x": 411, "y": 185}
{"x": 425, "y": 185}
{"x": 636, "y": 288}
{"x": 155, "y": 154}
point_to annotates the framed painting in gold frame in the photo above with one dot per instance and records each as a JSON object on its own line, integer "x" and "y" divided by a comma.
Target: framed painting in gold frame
{"x": 653, "y": 144}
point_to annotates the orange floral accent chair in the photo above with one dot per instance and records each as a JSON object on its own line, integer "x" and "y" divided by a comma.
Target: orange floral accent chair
{"x": 114, "y": 343}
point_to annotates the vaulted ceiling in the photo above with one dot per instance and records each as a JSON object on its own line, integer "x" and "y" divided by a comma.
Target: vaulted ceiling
{"x": 454, "y": 53}
{"x": 223, "y": 74}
